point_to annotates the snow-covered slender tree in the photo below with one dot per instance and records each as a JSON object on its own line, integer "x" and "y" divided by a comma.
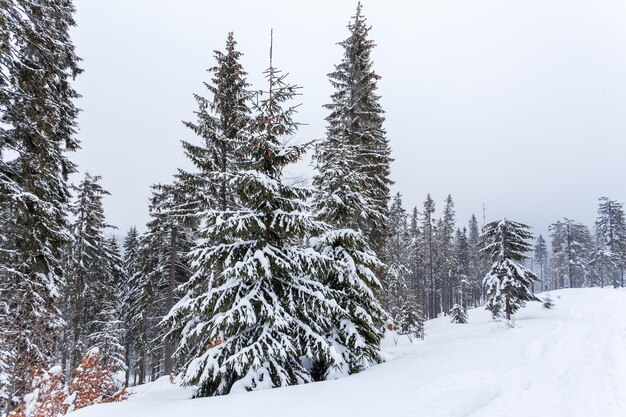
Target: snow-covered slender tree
{"x": 603, "y": 265}
{"x": 611, "y": 238}
{"x": 396, "y": 258}
{"x": 541, "y": 257}
{"x": 107, "y": 329}
{"x": 162, "y": 267}
{"x": 428, "y": 249}
{"x": 446, "y": 262}
{"x": 477, "y": 261}
{"x": 416, "y": 284}
{"x": 38, "y": 121}
{"x": 508, "y": 283}
{"x": 253, "y": 307}
{"x": 129, "y": 291}
{"x": 352, "y": 193}
{"x": 356, "y": 138}
{"x": 410, "y": 320}
{"x": 94, "y": 280}
{"x": 462, "y": 284}
{"x": 571, "y": 247}
{"x": 458, "y": 314}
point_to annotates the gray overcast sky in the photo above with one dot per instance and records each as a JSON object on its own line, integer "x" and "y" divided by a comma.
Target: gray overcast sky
{"x": 517, "y": 104}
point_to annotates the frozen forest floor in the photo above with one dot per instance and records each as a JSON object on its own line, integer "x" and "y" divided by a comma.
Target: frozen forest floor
{"x": 569, "y": 362}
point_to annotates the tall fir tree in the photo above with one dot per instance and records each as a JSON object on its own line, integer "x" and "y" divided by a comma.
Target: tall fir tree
{"x": 508, "y": 283}
{"x": 162, "y": 267}
{"x": 397, "y": 257}
{"x": 253, "y": 308}
{"x": 94, "y": 278}
{"x": 478, "y": 262}
{"x": 428, "y": 249}
{"x": 129, "y": 292}
{"x": 416, "y": 266}
{"x": 107, "y": 328}
{"x": 541, "y": 258}
{"x": 355, "y": 139}
{"x": 446, "y": 265}
{"x": 611, "y": 239}
{"x": 462, "y": 285}
{"x": 571, "y": 248}
{"x": 38, "y": 125}
{"x": 352, "y": 193}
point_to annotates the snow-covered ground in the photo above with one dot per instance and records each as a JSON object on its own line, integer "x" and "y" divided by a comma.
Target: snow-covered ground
{"x": 569, "y": 362}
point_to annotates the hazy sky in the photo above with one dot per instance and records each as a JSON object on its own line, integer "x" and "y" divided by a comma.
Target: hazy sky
{"x": 520, "y": 105}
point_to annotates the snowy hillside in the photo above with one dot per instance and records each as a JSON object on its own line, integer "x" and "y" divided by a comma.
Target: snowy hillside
{"x": 570, "y": 361}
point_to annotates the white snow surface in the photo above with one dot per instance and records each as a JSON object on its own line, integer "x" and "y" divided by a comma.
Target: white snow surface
{"x": 569, "y": 361}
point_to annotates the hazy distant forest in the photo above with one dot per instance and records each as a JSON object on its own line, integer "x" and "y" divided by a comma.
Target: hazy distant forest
{"x": 243, "y": 277}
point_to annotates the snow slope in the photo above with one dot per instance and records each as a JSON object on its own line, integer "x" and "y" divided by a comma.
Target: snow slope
{"x": 570, "y": 362}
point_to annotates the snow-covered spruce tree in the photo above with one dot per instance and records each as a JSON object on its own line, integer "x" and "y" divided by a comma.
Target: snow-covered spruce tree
{"x": 541, "y": 258}
{"x": 571, "y": 247}
{"x": 140, "y": 305}
{"x": 162, "y": 267}
{"x": 428, "y": 249}
{"x": 396, "y": 259}
{"x": 355, "y": 134}
{"x": 458, "y": 314}
{"x": 477, "y": 261}
{"x": 352, "y": 193}
{"x": 445, "y": 265}
{"x": 602, "y": 265}
{"x": 611, "y": 236}
{"x": 223, "y": 124}
{"x": 129, "y": 291}
{"x": 462, "y": 284}
{"x": 410, "y": 319}
{"x": 38, "y": 121}
{"x": 253, "y": 308}
{"x": 94, "y": 280}
{"x": 107, "y": 329}
{"x": 416, "y": 283}
{"x": 508, "y": 283}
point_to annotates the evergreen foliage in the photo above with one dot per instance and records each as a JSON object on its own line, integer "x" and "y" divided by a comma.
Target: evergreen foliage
{"x": 354, "y": 157}
{"x": 445, "y": 266}
{"x": 223, "y": 125}
{"x": 508, "y": 283}
{"x": 411, "y": 318}
{"x": 571, "y": 247}
{"x": 352, "y": 193}
{"x": 130, "y": 290}
{"x": 262, "y": 309}
{"x": 396, "y": 257}
{"x": 610, "y": 255}
{"x": 38, "y": 123}
{"x": 162, "y": 267}
{"x": 478, "y": 263}
{"x": 458, "y": 314}
{"x": 429, "y": 251}
{"x": 541, "y": 257}
{"x": 94, "y": 280}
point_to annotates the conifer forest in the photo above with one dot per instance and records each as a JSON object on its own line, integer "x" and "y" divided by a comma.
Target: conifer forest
{"x": 248, "y": 277}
